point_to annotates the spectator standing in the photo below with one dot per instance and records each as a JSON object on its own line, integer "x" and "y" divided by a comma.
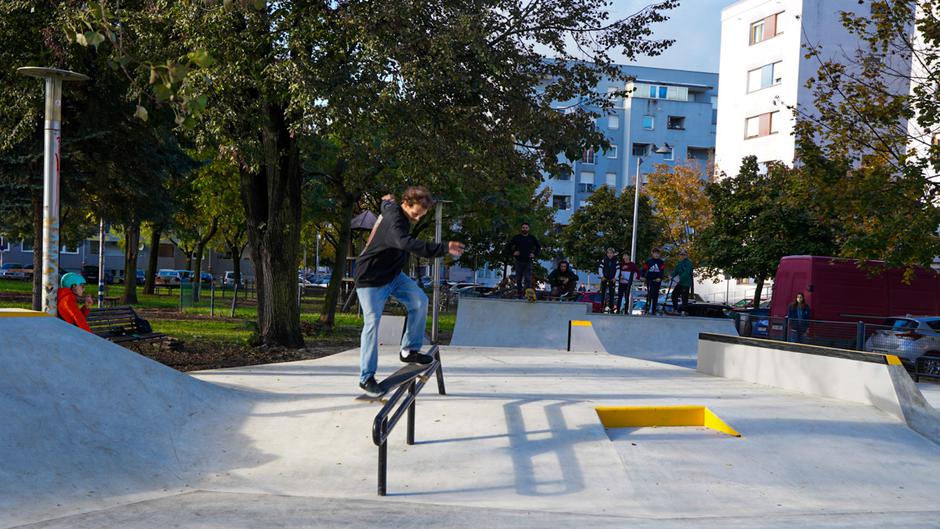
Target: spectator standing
{"x": 524, "y": 248}
{"x": 652, "y": 272}
{"x": 608, "y": 272}
{"x": 683, "y": 274}
{"x": 798, "y": 315}
{"x": 627, "y": 273}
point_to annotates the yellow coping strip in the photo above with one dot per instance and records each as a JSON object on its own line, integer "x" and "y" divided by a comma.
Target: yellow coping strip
{"x": 580, "y": 323}
{"x": 21, "y": 313}
{"x": 893, "y": 360}
{"x": 646, "y": 416}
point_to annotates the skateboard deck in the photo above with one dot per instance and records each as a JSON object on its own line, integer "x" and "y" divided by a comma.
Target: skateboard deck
{"x": 394, "y": 380}
{"x": 530, "y": 295}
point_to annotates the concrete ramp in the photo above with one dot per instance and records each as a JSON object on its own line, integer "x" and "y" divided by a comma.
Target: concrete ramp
{"x": 510, "y": 323}
{"x": 582, "y": 338}
{"x": 866, "y": 378}
{"x": 515, "y": 323}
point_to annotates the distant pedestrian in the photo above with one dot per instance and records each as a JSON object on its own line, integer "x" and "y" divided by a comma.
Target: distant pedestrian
{"x": 563, "y": 280}
{"x": 73, "y": 289}
{"x": 582, "y": 288}
{"x": 683, "y": 274}
{"x": 524, "y": 248}
{"x": 627, "y": 273}
{"x": 653, "y": 270}
{"x": 608, "y": 272}
{"x": 798, "y": 315}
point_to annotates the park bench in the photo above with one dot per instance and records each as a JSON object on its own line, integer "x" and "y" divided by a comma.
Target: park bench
{"x": 122, "y": 326}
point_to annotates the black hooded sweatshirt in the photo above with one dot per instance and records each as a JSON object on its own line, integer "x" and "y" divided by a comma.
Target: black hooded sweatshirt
{"x": 389, "y": 245}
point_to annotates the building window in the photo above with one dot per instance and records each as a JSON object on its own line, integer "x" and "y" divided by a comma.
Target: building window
{"x": 742, "y": 281}
{"x": 585, "y": 188}
{"x": 649, "y": 122}
{"x": 762, "y": 125}
{"x": 561, "y": 202}
{"x": 587, "y": 177}
{"x": 765, "y": 28}
{"x": 612, "y": 152}
{"x": 612, "y": 180}
{"x": 764, "y": 77}
{"x": 26, "y": 247}
{"x": 66, "y": 250}
{"x": 669, "y": 156}
{"x": 641, "y": 149}
{"x": 588, "y": 156}
{"x": 675, "y": 123}
{"x": 613, "y": 122}
{"x": 564, "y": 173}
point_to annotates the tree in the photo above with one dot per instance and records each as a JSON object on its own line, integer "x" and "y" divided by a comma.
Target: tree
{"x": 607, "y": 222}
{"x": 681, "y": 205}
{"x": 874, "y": 126}
{"x": 754, "y": 225}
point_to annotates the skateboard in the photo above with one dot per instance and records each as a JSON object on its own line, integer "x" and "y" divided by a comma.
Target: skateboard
{"x": 402, "y": 376}
{"x": 530, "y": 295}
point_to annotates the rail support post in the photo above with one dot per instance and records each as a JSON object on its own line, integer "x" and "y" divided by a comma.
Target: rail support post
{"x": 860, "y": 336}
{"x": 411, "y": 414}
{"x": 383, "y": 462}
{"x": 439, "y": 374}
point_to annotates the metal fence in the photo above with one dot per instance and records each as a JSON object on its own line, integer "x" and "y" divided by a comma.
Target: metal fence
{"x": 859, "y": 336}
{"x": 211, "y": 298}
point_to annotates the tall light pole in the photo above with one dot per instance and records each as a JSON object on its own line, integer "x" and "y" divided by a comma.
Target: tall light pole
{"x": 50, "y": 196}
{"x": 665, "y": 149}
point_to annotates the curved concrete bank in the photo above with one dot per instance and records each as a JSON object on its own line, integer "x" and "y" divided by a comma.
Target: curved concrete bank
{"x": 877, "y": 380}
{"x": 511, "y": 323}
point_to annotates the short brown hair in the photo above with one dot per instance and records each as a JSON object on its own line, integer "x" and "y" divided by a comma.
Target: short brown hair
{"x": 418, "y": 195}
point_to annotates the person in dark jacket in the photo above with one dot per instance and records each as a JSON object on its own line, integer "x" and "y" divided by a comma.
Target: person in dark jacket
{"x": 379, "y": 275}
{"x": 524, "y": 249}
{"x": 682, "y": 271}
{"x": 653, "y": 270}
{"x": 608, "y": 272}
{"x": 798, "y": 315}
{"x": 627, "y": 272}
{"x": 563, "y": 280}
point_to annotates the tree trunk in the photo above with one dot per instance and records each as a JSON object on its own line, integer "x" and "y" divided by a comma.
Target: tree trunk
{"x": 150, "y": 280}
{"x": 758, "y": 288}
{"x": 131, "y": 245}
{"x": 273, "y": 210}
{"x": 236, "y": 263}
{"x": 328, "y": 316}
{"x": 37, "y": 249}
{"x": 197, "y": 258}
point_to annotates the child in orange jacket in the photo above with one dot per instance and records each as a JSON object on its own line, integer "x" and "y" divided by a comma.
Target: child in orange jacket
{"x": 73, "y": 288}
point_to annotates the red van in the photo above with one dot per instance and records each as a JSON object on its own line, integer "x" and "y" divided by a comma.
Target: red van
{"x": 838, "y": 290}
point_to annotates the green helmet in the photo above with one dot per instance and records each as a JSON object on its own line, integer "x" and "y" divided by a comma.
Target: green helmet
{"x": 71, "y": 279}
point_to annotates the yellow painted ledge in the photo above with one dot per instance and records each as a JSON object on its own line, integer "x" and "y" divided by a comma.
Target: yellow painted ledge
{"x": 21, "y": 313}
{"x": 646, "y": 416}
{"x": 581, "y": 323}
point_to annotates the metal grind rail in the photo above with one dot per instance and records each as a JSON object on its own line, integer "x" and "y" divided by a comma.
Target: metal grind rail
{"x": 403, "y": 400}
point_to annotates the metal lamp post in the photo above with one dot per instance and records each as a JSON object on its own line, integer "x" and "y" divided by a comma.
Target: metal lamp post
{"x": 50, "y": 196}
{"x": 665, "y": 149}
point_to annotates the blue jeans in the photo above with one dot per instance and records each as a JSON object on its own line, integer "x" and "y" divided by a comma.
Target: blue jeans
{"x": 372, "y": 300}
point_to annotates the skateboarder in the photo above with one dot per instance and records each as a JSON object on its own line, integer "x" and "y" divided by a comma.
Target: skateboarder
{"x": 378, "y": 276}
{"x": 73, "y": 289}
{"x": 524, "y": 248}
{"x": 608, "y": 272}
{"x": 652, "y": 271}
{"x": 682, "y": 271}
{"x": 563, "y": 280}
{"x": 627, "y": 273}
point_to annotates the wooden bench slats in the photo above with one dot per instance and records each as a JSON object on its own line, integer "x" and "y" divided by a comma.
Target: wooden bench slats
{"x": 120, "y": 325}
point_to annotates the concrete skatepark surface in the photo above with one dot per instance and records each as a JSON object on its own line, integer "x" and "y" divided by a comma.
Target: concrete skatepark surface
{"x": 97, "y": 436}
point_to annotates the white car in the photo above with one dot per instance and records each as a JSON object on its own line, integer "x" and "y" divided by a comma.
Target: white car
{"x": 907, "y": 337}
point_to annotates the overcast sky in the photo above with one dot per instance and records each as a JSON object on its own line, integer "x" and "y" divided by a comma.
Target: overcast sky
{"x": 696, "y": 27}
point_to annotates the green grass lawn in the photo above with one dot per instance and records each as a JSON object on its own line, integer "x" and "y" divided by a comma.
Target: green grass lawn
{"x": 163, "y": 314}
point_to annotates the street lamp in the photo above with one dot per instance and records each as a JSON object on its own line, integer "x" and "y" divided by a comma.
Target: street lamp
{"x": 50, "y": 196}
{"x": 665, "y": 149}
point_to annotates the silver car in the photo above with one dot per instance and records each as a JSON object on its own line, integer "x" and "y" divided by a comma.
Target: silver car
{"x": 909, "y": 337}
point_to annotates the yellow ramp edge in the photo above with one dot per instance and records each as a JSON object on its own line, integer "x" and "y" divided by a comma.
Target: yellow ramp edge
{"x": 647, "y": 416}
{"x": 581, "y": 323}
{"x": 893, "y": 360}
{"x": 21, "y": 313}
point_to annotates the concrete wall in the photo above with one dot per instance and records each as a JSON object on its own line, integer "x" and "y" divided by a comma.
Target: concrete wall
{"x": 807, "y": 369}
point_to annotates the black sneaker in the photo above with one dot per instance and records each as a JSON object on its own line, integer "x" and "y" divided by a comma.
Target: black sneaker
{"x": 414, "y": 357}
{"x": 372, "y": 388}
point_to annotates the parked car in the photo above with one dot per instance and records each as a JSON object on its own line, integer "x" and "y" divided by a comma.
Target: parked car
{"x": 908, "y": 337}
{"x": 90, "y": 273}
{"x": 119, "y": 276}
{"x": 324, "y": 280}
{"x": 167, "y": 277}
{"x": 11, "y": 271}
{"x": 744, "y": 304}
{"x": 594, "y": 298}
{"x": 206, "y": 277}
{"x": 473, "y": 291}
{"x": 186, "y": 276}
{"x": 753, "y": 322}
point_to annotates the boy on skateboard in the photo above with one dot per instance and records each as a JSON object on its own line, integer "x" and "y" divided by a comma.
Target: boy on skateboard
{"x": 379, "y": 275}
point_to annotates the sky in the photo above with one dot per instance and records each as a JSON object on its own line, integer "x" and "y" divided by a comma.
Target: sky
{"x": 696, "y": 27}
